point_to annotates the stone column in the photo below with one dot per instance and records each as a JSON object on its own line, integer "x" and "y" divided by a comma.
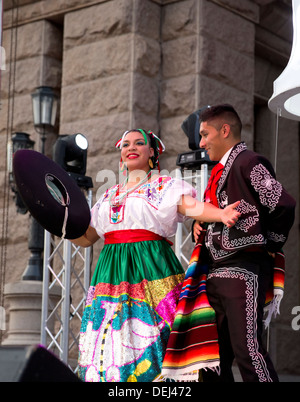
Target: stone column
{"x": 24, "y": 299}
{"x": 206, "y": 60}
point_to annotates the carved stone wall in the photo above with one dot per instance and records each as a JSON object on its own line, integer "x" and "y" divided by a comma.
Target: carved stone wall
{"x": 120, "y": 64}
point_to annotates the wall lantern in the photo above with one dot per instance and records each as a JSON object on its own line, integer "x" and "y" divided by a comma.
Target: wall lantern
{"x": 285, "y": 100}
{"x": 44, "y": 106}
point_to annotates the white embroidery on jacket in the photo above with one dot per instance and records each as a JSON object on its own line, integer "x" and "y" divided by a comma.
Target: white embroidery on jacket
{"x": 251, "y": 216}
{"x": 268, "y": 188}
{"x": 276, "y": 237}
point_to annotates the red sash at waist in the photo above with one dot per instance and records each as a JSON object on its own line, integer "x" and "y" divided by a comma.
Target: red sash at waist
{"x": 131, "y": 236}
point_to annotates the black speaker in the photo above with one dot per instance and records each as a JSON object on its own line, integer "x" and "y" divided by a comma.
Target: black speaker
{"x": 32, "y": 364}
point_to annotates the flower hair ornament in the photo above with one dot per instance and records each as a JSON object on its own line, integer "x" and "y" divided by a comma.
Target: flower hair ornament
{"x": 155, "y": 143}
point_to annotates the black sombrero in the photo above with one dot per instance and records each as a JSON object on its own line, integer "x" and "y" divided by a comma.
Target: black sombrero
{"x": 52, "y": 196}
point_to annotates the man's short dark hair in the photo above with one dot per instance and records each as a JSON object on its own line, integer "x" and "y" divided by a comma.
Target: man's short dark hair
{"x": 222, "y": 114}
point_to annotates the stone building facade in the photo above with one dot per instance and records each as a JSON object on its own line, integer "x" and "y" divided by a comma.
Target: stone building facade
{"x": 119, "y": 64}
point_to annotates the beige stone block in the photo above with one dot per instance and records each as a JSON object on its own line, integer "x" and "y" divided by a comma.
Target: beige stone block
{"x": 21, "y": 110}
{"x": 21, "y": 120}
{"x": 213, "y": 92}
{"x": 173, "y": 136}
{"x": 103, "y": 20}
{"x": 17, "y": 255}
{"x": 143, "y": 120}
{"x": 245, "y": 8}
{"x": 3, "y": 118}
{"x": 31, "y": 73}
{"x": 177, "y": 96}
{"x": 94, "y": 98}
{"x": 27, "y": 76}
{"x": 148, "y": 19}
{"x": 3, "y": 179}
{"x": 265, "y": 75}
{"x": 102, "y": 132}
{"x": 147, "y": 56}
{"x": 179, "y": 19}
{"x": 232, "y": 28}
{"x": 145, "y": 94}
{"x": 179, "y": 57}
{"x": 29, "y": 40}
{"x": 24, "y": 116}
{"x": 226, "y": 65}
{"x": 95, "y": 60}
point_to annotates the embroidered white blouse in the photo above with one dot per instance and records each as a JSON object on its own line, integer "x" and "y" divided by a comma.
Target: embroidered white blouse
{"x": 152, "y": 206}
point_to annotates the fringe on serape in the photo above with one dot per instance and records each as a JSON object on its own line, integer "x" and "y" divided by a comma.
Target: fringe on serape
{"x": 275, "y": 293}
{"x": 193, "y": 342}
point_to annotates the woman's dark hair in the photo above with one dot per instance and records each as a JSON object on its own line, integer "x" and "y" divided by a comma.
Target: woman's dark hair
{"x": 152, "y": 143}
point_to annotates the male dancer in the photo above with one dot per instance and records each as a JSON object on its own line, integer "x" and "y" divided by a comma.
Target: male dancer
{"x": 242, "y": 257}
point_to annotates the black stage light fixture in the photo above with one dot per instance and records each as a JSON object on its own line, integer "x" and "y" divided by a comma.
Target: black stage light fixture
{"x": 191, "y": 127}
{"x": 70, "y": 152}
{"x": 197, "y": 156}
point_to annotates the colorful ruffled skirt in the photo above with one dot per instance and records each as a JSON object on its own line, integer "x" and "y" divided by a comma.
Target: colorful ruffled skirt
{"x": 129, "y": 311}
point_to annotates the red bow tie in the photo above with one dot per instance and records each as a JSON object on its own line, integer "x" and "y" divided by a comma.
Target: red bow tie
{"x": 212, "y": 185}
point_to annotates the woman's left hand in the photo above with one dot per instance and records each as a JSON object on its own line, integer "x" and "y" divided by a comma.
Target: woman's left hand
{"x": 230, "y": 215}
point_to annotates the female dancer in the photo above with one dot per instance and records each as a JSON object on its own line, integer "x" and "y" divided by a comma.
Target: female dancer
{"x": 132, "y": 299}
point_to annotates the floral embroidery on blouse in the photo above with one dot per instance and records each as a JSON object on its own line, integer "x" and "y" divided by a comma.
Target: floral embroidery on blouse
{"x": 152, "y": 193}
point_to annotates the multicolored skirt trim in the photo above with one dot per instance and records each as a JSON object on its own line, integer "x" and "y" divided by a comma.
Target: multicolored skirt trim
{"x": 129, "y": 313}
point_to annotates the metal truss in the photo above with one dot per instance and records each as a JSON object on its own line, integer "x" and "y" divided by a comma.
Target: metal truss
{"x": 65, "y": 283}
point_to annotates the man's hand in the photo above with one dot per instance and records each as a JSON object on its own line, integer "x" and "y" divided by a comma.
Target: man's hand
{"x": 197, "y": 230}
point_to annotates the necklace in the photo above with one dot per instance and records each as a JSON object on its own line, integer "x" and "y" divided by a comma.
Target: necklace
{"x": 115, "y": 199}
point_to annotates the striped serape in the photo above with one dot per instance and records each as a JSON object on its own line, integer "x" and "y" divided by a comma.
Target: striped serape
{"x": 193, "y": 342}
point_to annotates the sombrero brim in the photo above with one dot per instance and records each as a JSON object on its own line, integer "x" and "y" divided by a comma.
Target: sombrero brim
{"x": 48, "y": 190}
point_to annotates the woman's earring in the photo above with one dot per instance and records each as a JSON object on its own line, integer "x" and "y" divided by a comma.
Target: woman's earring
{"x": 123, "y": 167}
{"x": 150, "y": 163}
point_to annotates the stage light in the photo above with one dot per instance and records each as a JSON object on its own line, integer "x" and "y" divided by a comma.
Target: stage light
{"x": 285, "y": 100}
{"x": 191, "y": 126}
{"x": 70, "y": 152}
{"x": 197, "y": 156}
